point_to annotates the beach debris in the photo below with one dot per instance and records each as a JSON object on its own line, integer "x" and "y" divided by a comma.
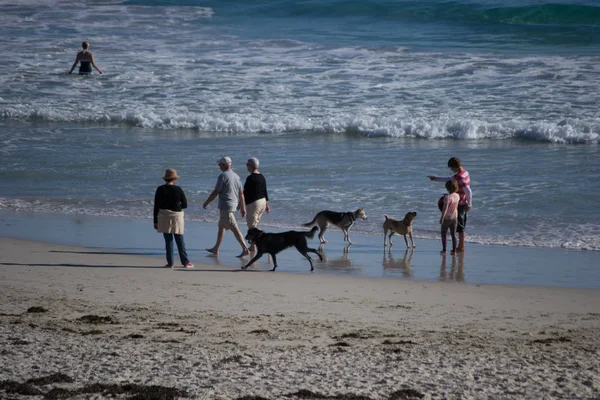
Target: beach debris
{"x": 352, "y": 335}
{"x": 24, "y": 389}
{"x": 406, "y": 394}
{"x": 135, "y": 336}
{"x": 36, "y": 309}
{"x": 305, "y": 394}
{"x": 227, "y": 360}
{"x": 28, "y": 388}
{"x": 135, "y": 391}
{"x": 94, "y": 319}
{"x": 167, "y": 325}
{"x": 93, "y": 332}
{"x": 58, "y": 377}
{"x": 260, "y": 332}
{"x": 396, "y": 306}
{"x": 549, "y": 341}
{"x": 389, "y": 342}
{"x": 185, "y": 331}
{"x": 9, "y": 315}
{"x": 340, "y": 344}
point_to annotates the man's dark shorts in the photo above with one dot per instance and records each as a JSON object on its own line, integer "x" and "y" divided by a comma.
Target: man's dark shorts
{"x": 462, "y": 218}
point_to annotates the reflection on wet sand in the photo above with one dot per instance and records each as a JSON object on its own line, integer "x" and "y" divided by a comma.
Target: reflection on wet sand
{"x": 457, "y": 268}
{"x": 398, "y": 265}
{"x": 340, "y": 264}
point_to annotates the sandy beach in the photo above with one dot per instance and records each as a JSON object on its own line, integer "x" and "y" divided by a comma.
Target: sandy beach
{"x": 97, "y": 324}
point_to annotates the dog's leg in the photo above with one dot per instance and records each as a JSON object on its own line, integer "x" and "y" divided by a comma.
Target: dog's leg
{"x": 347, "y": 232}
{"x": 321, "y": 233}
{"x": 406, "y": 241}
{"x": 384, "y": 237}
{"x": 305, "y": 254}
{"x": 274, "y": 261}
{"x": 390, "y": 237}
{"x": 256, "y": 257}
{"x": 316, "y": 252}
{"x": 411, "y": 240}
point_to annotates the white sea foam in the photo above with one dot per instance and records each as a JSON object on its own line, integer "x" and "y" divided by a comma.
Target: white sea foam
{"x": 216, "y": 83}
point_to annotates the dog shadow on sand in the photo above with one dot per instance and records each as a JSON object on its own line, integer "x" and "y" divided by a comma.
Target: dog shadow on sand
{"x": 396, "y": 265}
{"x": 343, "y": 263}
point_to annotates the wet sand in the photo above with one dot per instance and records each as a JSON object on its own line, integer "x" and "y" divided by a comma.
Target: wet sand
{"x": 481, "y": 264}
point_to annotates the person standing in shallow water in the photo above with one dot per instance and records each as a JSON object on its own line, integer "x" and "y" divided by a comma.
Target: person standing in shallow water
{"x": 169, "y": 203}
{"x": 86, "y": 61}
{"x": 255, "y": 195}
{"x": 461, "y": 176}
{"x": 448, "y": 219}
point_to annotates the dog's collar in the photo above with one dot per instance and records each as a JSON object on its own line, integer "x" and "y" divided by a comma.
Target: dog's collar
{"x": 406, "y": 222}
{"x": 352, "y": 217}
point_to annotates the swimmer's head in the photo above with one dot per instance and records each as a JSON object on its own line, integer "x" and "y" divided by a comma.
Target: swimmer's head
{"x": 85, "y": 45}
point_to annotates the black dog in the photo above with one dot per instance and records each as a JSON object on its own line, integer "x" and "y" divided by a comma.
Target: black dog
{"x": 273, "y": 243}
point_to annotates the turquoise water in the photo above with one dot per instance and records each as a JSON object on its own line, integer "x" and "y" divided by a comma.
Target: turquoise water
{"x": 347, "y": 104}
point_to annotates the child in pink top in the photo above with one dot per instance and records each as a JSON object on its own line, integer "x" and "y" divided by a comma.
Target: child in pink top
{"x": 449, "y": 218}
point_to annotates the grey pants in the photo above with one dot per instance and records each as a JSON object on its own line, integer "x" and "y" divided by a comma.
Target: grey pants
{"x": 449, "y": 224}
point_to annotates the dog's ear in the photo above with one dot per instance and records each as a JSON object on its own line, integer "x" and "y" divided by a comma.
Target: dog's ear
{"x": 257, "y": 232}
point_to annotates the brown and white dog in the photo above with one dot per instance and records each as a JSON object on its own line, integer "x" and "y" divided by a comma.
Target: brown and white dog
{"x": 403, "y": 228}
{"x": 342, "y": 220}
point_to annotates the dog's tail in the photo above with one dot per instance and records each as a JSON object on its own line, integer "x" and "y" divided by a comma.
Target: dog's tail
{"x": 311, "y": 234}
{"x": 311, "y": 223}
{"x": 386, "y": 217}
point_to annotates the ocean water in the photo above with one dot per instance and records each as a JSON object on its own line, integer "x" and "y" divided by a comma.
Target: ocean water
{"x": 347, "y": 104}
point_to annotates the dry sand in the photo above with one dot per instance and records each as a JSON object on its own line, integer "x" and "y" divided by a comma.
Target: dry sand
{"x": 117, "y": 325}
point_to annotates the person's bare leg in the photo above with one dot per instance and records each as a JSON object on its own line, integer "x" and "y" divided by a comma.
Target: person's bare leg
{"x": 461, "y": 242}
{"x": 240, "y": 238}
{"x": 215, "y": 249}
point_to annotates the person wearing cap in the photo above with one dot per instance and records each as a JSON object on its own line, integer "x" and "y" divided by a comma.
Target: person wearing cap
{"x": 255, "y": 195}
{"x": 231, "y": 198}
{"x": 169, "y": 203}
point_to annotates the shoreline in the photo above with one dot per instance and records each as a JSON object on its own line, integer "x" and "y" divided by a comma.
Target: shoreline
{"x": 217, "y": 333}
{"x": 481, "y": 264}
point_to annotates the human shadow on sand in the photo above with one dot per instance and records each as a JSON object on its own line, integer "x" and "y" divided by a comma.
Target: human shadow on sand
{"x": 119, "y": 253}
{"x": 80, "y": 265}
